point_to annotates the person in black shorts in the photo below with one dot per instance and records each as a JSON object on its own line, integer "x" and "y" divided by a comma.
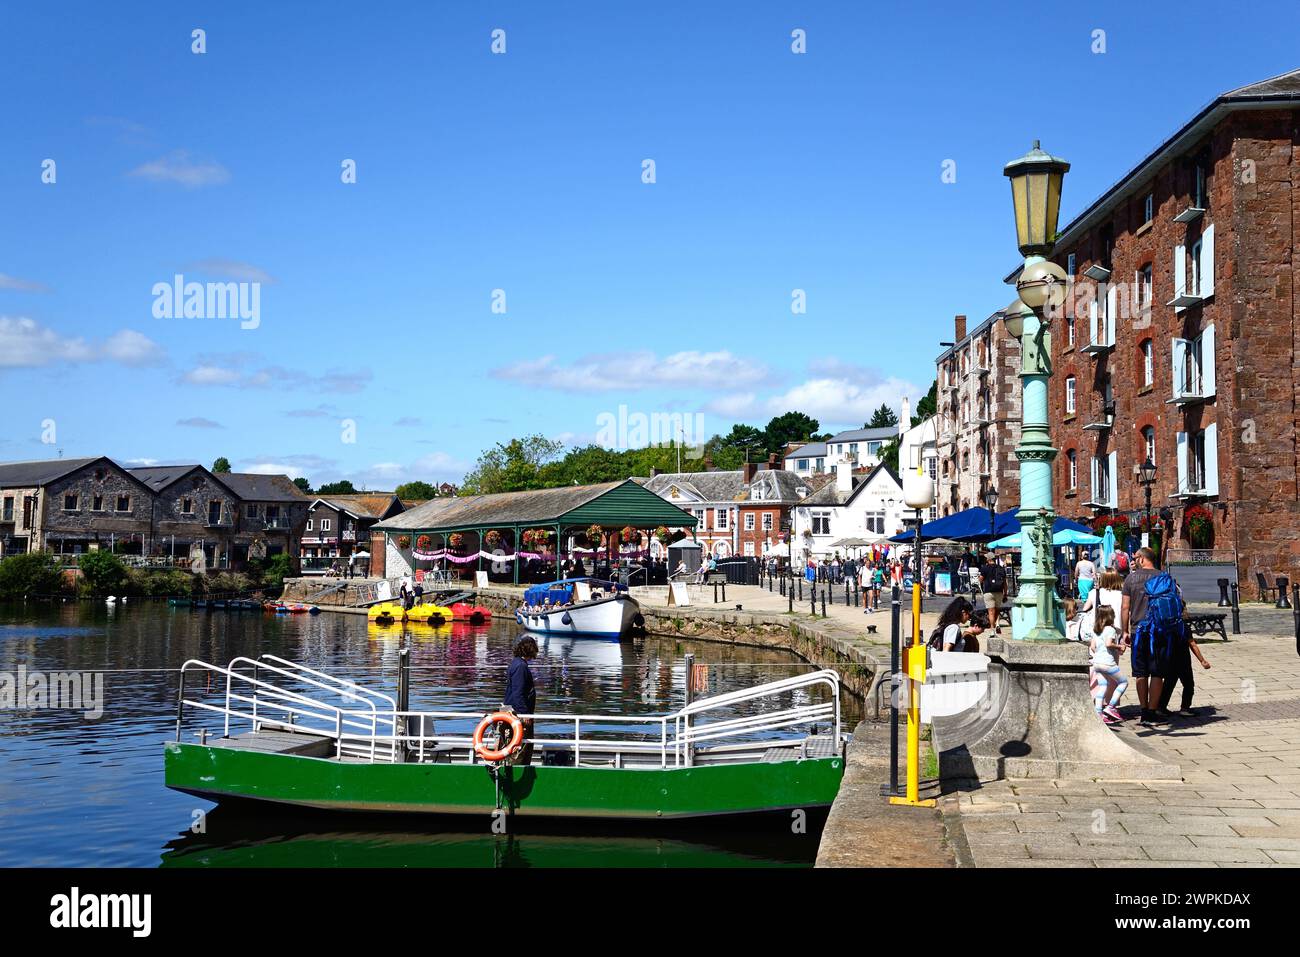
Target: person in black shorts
{"x": 1150, "y": 664}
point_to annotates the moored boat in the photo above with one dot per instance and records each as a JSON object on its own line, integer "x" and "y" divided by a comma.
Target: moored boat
{"x": 474, "y": 614}
{"x": 281, "y": 732}
{"x": 587, "y": 607}
{"x": 428, "y": 614}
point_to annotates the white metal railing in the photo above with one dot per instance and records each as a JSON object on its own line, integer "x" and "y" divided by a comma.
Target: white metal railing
{"x": 371, "y": 728}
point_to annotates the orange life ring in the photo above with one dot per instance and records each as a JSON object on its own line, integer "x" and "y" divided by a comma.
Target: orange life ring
{"x": 516, "y": 736}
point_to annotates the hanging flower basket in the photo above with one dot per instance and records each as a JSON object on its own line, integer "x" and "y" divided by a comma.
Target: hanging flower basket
{"x": 1200, "y": 526}
{"x": 663, "y": 534}
{"x": 1117, "y": 522}
{"x": 403, "y": 542}
{"x": 492, "y": 539}
{"x": 593, "y": 535}
{"x": 630, "y": 535}
{"x": 424, "y": 543}
{"x": 456, "y": 539}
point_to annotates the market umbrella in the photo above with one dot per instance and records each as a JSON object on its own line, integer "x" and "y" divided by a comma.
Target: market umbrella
{"x": 1108, "y": 548}
{"x": 1066, "y": 536}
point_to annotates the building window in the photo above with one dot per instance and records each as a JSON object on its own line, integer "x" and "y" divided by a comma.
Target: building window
{"x": 124, "y": 503}
{"x": 187, "y": 506}
{"x": 1071, "y": 264}
{"x": 873, "y": 450}
{"x": 311, "y": 525}
{"x": 325, "y": 525}
{"x": 767, "y": 523}
{"x": 1149, "y": 208}
{"x": 699, "y": 517}
{"x": 720, "y": 516}
{"x": 1069, "y": 329}
{"x": 1148, "y": 362}
{"x": 70, "y": 503}
{"x": 8, "y": 515}
{"x": 821, "y": 467}
{"x": 1072, "y": 458}
{"x": 876, "y": 523}
{"x": 1069, "y": 395}
{"x": 250, "y": 510}
{"x": 1106, "y": 241}
{"x": 1200, "y": 175}
{"x": 1149, "y": 443}
{"x": 1194, "y": 269}
{"x": 97, "y": 503}
{"x": 853, "y": 449}
{"x": 821, "y": 523}
{"x": 749, "y": 523}
{"x": 802, "y": 466}
{"x": 1144, "y": 289}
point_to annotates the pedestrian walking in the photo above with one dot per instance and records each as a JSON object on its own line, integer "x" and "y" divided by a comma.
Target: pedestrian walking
{"x": 993, "y": 582}
{"x": 1109, "y": 683}
{"x": 1181, "y": 671}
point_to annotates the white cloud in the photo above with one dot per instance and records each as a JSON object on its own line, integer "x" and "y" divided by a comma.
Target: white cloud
{"x": 132, "y": 348}
{"x": 232, "y": 269}
{"x": 199, "y": 422}
{"x": 434, "y": 468}
{"x": 180, "y": 167}
{"x": 237, "y": 370}
{"x": 620, "y": 372}
{"x": 14, "y": 284}
{"x": 841, "y": 401}
{"x": 738, "y": 405}
{"x": 25, "y": 343}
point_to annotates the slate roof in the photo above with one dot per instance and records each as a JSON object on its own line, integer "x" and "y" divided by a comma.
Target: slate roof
{"x": 831, "y": 495}
{"x": 723, "y": 486}
{"x": 40, "y": 472}
{"x": 622, "y": 502}
{"x": 362, "y": 505}
{"x": 778, "y": 485}
{"x": 158, "y": 477}
{"x": 811, "y": 450}
{"x": 863, "y": 435}
{"x": 253, "y": 487}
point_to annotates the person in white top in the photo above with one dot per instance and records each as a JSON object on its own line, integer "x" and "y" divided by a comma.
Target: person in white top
{"x": 1109, "y": 591}
{"x": 1106, "y": 648}
{"x": 1085, "y": 574}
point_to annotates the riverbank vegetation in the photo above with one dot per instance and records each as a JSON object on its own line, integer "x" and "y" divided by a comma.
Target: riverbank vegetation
{"x": 100, "y": 573}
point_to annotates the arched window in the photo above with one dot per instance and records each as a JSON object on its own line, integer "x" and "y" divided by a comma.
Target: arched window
{"x": 1148, "y": 362}
{"x": 1149, "y": 443}
{"x": 1072, "y": 460}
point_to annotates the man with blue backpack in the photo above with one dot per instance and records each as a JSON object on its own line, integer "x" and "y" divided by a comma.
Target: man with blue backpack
{"x": 1151, "y": 616}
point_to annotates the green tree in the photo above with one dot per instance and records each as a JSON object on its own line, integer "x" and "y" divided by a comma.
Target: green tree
{"x": 513, "y": 466}
{"x": 750, "y": 441}
{"x": 882, "y": 418}
{"x": 415, "y": 490}
{"x": 221, "y": 465}
{"x": 102, "y": 572}
{"x": 34, "y": 574}
{"x": 789, "y": 427}
{"x": 303, "y": 485}
{"x": 928, "y": 406}
{"x": 341, "y": 487}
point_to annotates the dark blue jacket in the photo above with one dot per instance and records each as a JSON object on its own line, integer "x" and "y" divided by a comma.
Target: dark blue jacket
{"x": 520, "y": 693}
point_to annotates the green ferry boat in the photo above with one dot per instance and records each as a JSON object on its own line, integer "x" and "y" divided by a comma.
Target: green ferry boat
{"x": 273, "y": 730}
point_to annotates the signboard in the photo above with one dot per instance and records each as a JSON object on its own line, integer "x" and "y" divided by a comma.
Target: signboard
{"x": 943, "y": 583}
{"x": 480, "y": 579}
{"x": 581, "y": 591}
{"x": 678, "y": 594}
{"x": 198, "y": 560}
{"x": 384, "y": 590}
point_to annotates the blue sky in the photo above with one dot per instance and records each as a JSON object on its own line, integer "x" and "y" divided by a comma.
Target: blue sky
{"x": 522, "y": 172}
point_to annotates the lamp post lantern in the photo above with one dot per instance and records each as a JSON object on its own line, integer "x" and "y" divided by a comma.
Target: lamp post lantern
{"x": 1147, "y": 478}
{"x": 1036, "y": 180}
{"x": 991, "y": 500}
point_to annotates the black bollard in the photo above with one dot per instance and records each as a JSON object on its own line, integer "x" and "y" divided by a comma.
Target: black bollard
{"x": 783, "y": 586}
{"x": 1236, "y": 609}
{"x": 715, "y": 593}
{"x": 824, "y": 603}
{"x": 1224, "y": 601}
{"x": 724, "y": 590}
{"x": 846, "y": 592}
{"x": 1283, "y": 586}
{"x": 790, "y": 596}
{"x": 1295, "y": 606}
{"x": 801, "y": 591}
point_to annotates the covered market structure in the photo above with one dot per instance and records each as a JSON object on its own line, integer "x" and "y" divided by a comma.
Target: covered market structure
{"x": 507, "y": 530}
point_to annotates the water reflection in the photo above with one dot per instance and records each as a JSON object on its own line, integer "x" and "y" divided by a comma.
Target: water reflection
{"x": 78, "y": 792}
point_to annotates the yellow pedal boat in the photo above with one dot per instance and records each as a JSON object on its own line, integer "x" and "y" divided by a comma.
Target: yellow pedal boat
{"x": 386, "y": 613}
{"x": 428, "y": 613}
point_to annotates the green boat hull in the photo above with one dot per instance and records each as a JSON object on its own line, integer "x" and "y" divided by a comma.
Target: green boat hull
{"x": 220, "y": 772}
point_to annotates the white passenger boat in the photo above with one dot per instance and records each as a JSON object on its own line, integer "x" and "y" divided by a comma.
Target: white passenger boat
{"x": 585, "y": 607}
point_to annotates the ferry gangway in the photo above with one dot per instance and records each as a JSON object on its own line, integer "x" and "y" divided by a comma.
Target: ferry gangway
{"x": 371, "y": 728}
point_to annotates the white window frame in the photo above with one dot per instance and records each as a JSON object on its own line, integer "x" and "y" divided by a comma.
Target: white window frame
{"x": 325, "y": 524}
{"x": 1148, "y": 362}
{"x": 1072, "y": 458}
{"x": 749, "y": 521}
{"x": 1071, "y": 388}
{"x": 820, "y": 519}
{"x": 720, "y": 519}
{"x": 767, "y": 521}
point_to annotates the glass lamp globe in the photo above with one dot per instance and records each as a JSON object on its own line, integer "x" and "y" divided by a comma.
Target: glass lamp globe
{"x": 1042, "y": 284}
{"x": 1036, "y": 180}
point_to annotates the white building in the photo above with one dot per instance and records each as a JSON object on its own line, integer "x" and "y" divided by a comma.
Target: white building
{"x": 919, "y": 443}
{"x": 868, "y": 507}
{"x": 863, "y": 446}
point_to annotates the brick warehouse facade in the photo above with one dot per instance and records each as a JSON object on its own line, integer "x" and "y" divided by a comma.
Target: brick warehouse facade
{"x": 977, "y": 426}
{"x": 1182, "y": 338}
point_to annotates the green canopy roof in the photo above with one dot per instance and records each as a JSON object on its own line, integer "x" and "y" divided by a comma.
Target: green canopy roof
{"x": 611, "y": 504}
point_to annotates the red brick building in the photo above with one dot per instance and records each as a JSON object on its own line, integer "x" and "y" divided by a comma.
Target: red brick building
{"x": 1184, "y": 349}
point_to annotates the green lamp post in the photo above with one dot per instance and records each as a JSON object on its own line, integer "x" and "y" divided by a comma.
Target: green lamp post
{"x": 1036, "y": 180}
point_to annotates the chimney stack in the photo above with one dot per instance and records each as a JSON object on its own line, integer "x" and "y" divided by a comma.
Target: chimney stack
{"x": 655, "y": 470}
{"x": 905, "y": 420}
{"x": 748, "y": 472}
{"x": 960, "y": 328}
{"x": 844, "y": 475}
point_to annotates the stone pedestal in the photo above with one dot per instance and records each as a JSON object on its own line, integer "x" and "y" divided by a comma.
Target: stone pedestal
{"x": 1038, "y": 721}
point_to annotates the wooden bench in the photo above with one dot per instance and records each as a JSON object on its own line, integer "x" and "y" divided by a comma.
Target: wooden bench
{"x": 1202, "y": 625}
{"x": 715, "y": 578}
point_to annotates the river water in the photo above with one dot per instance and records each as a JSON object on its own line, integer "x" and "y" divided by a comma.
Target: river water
{"x": 81, "y": 792}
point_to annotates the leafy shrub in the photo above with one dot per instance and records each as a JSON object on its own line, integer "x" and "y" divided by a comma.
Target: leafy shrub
{"x": 102, "y": 573}
{"x": 30, "y": 575}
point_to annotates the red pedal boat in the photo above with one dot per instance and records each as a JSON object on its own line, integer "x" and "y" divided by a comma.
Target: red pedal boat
{"x": 474, "y": 614}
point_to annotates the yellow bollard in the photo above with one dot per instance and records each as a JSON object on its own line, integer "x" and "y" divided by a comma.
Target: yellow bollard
{"x": 914, "y": 667}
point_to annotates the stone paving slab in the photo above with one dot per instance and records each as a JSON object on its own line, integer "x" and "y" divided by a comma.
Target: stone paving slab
{"x": 1238, "y": 805}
